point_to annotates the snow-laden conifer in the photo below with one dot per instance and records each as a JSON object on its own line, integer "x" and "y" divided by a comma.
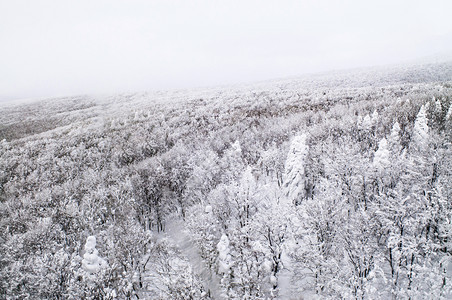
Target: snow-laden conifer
{"x": 366, "y": 123}
{"x": 381, "y": 157}
{"x": 394, "y": 139}
{"x": 294, "y": 176}
{"x": 92, "y": 262}
{"x": 224, "y": 258}
{"x": 375, "y": 117}
{"x": 420, "y": 161}
{"x": 449, "y": 112}
{"x": 236, "y": 146}
{"x": 438, "y": 106}
{"x": 420, "y": 130}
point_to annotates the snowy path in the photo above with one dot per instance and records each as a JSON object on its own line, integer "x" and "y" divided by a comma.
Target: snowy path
{"x": 285, "y": 277}
{"x": 175, "y": 232}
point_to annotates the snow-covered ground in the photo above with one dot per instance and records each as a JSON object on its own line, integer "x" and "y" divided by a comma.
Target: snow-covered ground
{"x": 178, "y": 237}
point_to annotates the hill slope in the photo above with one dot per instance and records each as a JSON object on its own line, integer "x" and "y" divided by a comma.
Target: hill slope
{"x": 346, "y": 177}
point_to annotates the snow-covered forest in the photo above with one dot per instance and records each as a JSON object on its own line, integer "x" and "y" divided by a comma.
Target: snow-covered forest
{"x": 333, "y": 186}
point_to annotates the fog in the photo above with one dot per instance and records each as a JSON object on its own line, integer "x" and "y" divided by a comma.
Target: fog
{"x": 57, "y": 47}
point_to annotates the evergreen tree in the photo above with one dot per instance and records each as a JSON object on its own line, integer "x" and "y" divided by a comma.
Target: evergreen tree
{"x": 381, "y": 157}
{"x": 92, "y": 262}
{"x": 294, "y": 174}
{"x": 394, "y": 140}
{"x": 420, "y": 137}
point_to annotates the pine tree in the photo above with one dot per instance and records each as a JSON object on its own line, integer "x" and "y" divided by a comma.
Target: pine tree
{"x": 381, "y": 166}
{"x": 394, "y": 140}
{"x": 420, "y": 137}
{"x": 449, "y": 112}
{"x": 366, "y": 123}
{"x": 294, "y": 176}
{"x": 381, "y": 158}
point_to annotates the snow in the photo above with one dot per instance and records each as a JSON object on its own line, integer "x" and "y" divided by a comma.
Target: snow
{"x": 367, "y": 122}
{"x": 420, "y": 130}
{"x": 178, "y": 237}
{"x": 285, "y": 277}
{"x": 100, "y": 195}
{"x": 294, "y": 175}
{"x": 381, "y": 158}
{"x": 449, "y": 112}
{"x": 91, "y": 262}
{"x": 236, "y": 147}
{"x": 224, "y": 258}
{"x": 208, "y": 209}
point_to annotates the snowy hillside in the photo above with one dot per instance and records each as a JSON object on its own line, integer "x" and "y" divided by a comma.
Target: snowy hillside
{"x": 329, "y": 186}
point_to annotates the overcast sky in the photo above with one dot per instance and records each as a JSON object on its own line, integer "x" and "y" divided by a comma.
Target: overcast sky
{"x": 59, "y": 47}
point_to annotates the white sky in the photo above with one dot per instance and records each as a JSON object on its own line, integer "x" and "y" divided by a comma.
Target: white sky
{"x": 65, "y": 47}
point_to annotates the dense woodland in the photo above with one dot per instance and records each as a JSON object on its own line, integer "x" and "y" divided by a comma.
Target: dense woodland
{"x": 333, "y": 186}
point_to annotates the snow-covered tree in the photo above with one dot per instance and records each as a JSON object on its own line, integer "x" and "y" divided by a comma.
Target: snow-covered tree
{"x": 92, "y": 262}
{"x": 224, "y": 256}
{"x": 366, "y": 123}
{"x": 273, "y": 225}
{"x": 294, "y": 173}
{"x": 420, "y": 137}
{"x": 449, "y": 112}
{"x": 315, "y": 241}
{"x": 65, "y": 171}
{"x": 272, "y": 164}
{"x": 381, "y": 157}
{"x": 394, "y": 139}
{"x": 375, "y": 117}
